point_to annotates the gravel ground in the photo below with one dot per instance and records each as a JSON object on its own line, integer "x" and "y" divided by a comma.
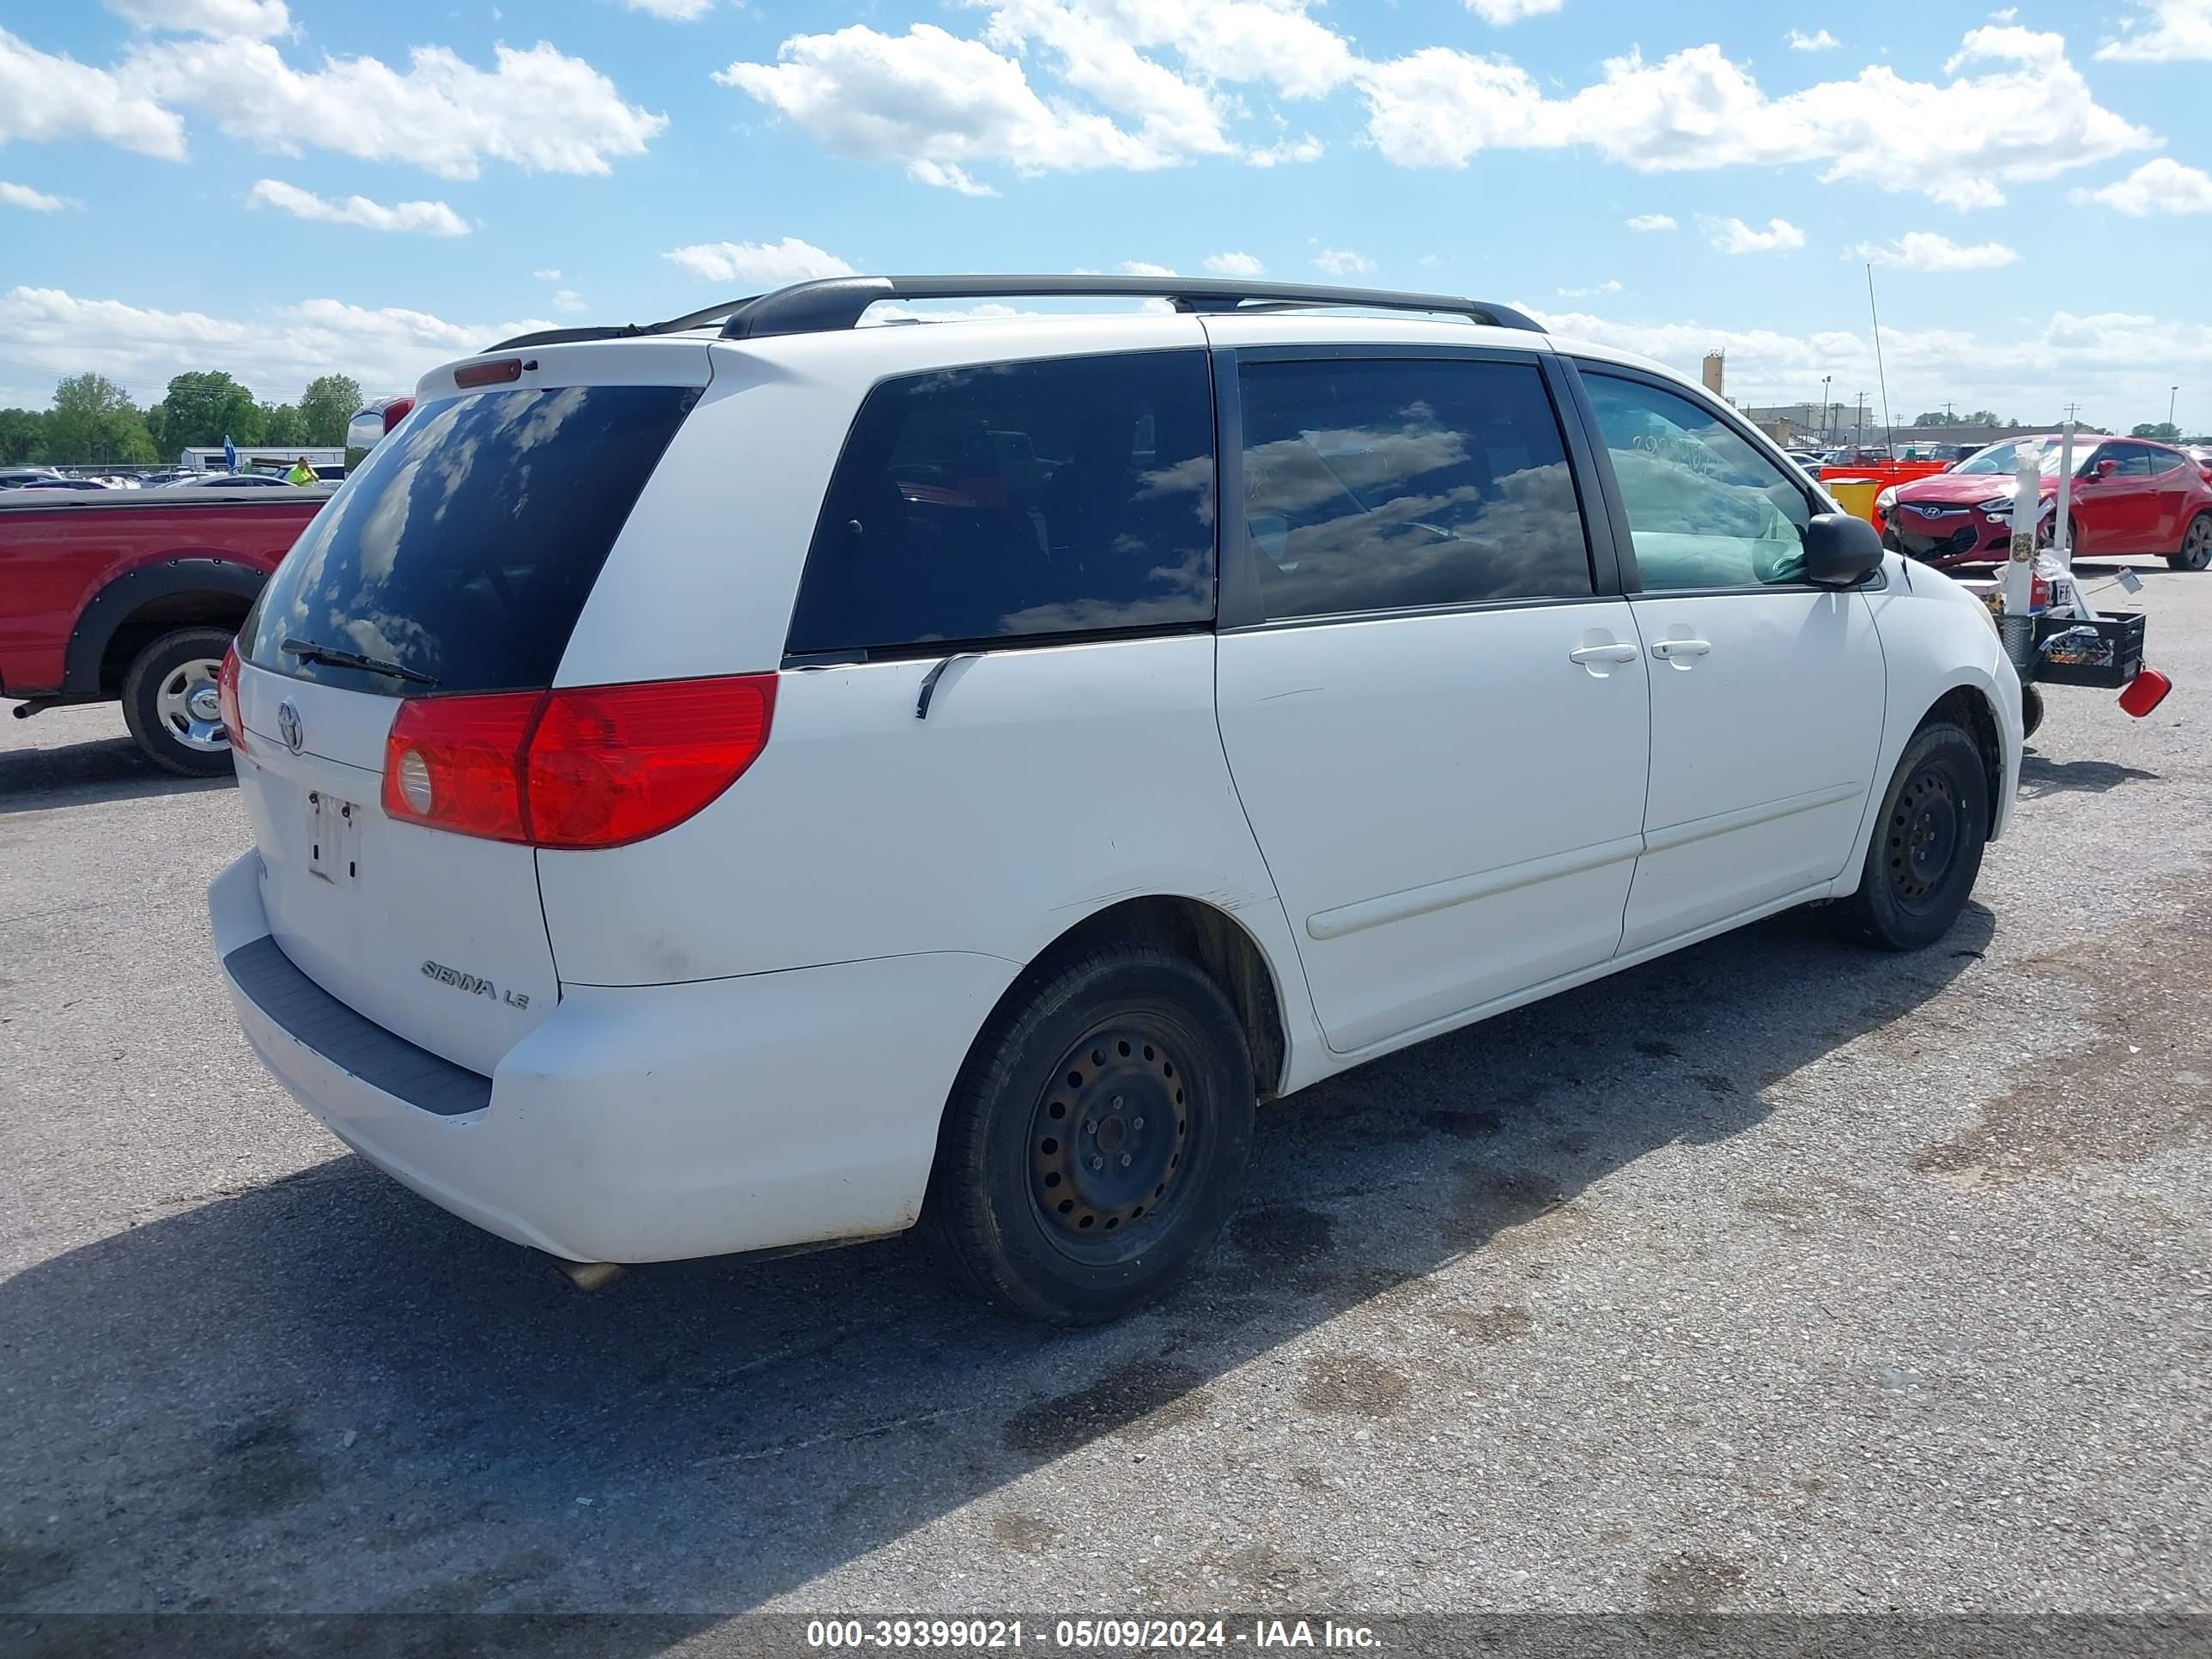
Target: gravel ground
{"x": 1771, "y": 1277}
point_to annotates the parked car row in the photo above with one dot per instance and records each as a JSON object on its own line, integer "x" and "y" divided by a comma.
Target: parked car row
{"x": 2130, "y": 497}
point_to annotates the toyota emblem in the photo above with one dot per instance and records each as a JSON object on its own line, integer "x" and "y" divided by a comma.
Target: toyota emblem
{"x": 287, "y": 726}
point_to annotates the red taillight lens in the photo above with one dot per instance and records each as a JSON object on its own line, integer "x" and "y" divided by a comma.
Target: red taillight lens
{"x": 590, "y": 766}
{"x": 226, "y": 688}
{"x": 396, "y": 411}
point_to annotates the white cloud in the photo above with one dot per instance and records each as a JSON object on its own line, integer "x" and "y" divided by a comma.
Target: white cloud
{"x": 1734, "y": 236}
{"x": 1068, "y": 85}
{"x": 944, "y": 176}
{"x": 550, "y": 274}
{"x": 539, "y": 109}
{"x": 2119, "y": 364}
{"x": 1502, "y": 12}
{"x": 44, "y": 97}
{"x": 2162, "y": 187}
{"x": 569, "y": 300}
{"x": 1611, "y": 285}
{"x": 676, "y": 11}
{"x": 1343, "y": 262}
{"x": 23, "y": 196}
{"x": 275, "y": 352}
{"x": 2029, "y": 118}
{"x": 1234, "y": 265}
{"x": 1146, "y": 268}
{"x": 433, "y": 218}
{"x": 2177, "y": 31}
{"x": 1652, "y": 221}
{"x": 257, "y": 19}
{"x": 1819, "y": 41}
{"x": 772, "y": 262}
{"x": 1926, "y": 250}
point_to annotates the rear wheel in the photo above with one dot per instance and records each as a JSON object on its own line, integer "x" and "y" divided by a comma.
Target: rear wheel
{"x": 1927, "y": 847}
{"x": 2195, "y": 552}
{"x": 1095, "y": 1141}
{"x": 170, "y": 702}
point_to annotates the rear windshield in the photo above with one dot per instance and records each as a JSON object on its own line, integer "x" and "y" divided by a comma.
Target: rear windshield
{"x": 463, "y": 549}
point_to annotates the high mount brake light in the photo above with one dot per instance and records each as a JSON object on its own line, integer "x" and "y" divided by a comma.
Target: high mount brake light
{"x": 492, "y": 374}
{"x": 579, "y": 768}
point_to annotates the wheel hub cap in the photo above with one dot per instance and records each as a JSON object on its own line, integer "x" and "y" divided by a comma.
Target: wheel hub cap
{"x": 1108, "y": 1142}
{"x": 190, "y": 707}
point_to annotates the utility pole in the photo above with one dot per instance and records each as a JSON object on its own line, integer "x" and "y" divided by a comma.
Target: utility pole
{"x": 2172, "y": 393}
{"x": 1862, "y": 409}
{"x": 1828, "y": 436}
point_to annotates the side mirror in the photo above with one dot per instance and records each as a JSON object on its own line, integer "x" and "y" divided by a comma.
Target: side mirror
{"x": 2106, "y": 469}
{"x": 1840, "y": 549}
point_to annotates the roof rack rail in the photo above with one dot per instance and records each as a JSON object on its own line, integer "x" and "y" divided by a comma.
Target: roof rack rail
{"x": 837, "y": 302}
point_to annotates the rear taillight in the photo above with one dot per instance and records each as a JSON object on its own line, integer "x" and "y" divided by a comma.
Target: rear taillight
{"x": 226, "y": 689}
{"x": 580, "y": 768}
{"x": 396, "y": 411}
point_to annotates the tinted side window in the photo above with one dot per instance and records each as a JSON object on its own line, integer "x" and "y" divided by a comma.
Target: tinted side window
{"x": 1400, "y": 483}
{"x": 2134, "y": 460}
{"x": 1017, "y": 499}
{"x": 2165, "y": 461}
{"x": 1705, "y": 510}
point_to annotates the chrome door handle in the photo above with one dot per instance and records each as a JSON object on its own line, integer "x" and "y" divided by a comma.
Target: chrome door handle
{"x": 1669, "y": 649}
{"x": 1589, "y": 654}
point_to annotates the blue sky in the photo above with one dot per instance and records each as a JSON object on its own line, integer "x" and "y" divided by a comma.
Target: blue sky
{"x": 177, "y": 177}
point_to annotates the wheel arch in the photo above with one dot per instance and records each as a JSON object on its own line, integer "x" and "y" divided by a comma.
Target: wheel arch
{"x": 1209, "y": 938}
{"x": 140, "y": 605}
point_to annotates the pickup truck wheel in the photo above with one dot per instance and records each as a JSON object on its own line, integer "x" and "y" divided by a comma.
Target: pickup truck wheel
{"x": 2195, "y": 552}
{"x": 170, "y": 705}
{"x": 1095, "y": 1141}
{"x": 1927, "y": 847}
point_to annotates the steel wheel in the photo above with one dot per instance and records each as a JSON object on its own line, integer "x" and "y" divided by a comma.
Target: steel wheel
{"x": 1923, "y": 839}
{"x": 186, "y": 703}
{"x": 1107, "y": 1142}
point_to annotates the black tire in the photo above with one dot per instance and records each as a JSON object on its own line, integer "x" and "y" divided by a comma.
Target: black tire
{"x": 163, "y": 705}
{"x": 1927, "y": 846}
{"x": 1138, "y": 1055}
{"x": 2030, "y": 709}
{"x": 2196, "y": 550}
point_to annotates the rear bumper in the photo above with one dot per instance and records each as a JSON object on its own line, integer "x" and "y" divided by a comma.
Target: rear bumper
{"x": 647, "y": 1123}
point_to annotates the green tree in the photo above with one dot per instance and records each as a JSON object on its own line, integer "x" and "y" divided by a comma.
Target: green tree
{"x": 22, "y": 432}
{"x": 282, "y": 427}
{"x": 204, "y": 409}
{"x": 325, "y": 408}
{"x": 92, "y": 420}
{"x": 2165, "y": 431}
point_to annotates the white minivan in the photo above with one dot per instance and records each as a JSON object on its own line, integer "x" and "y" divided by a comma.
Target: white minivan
{"x": 764, "y": 780}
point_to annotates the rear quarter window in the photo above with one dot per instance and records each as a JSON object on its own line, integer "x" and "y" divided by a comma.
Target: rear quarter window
{"x": 1013, "y": 501}
{"x": 465, "y": 546}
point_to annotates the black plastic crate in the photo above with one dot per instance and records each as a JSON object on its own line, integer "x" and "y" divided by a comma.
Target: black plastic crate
{"x": 2066, "y": 655}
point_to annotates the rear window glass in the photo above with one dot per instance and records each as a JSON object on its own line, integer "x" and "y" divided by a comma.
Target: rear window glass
{"x": 464, "y": 547}
{"x": 1014, "y": 499}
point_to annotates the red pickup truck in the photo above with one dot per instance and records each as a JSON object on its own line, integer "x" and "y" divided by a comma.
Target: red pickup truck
{"x": 132, "y": 596}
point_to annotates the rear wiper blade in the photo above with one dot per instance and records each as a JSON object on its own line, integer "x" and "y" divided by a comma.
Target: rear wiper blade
{"x": 308, "y": 651}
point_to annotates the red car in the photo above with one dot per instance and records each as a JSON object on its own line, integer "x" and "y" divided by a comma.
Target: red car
{"x": 2132, "y": 497}
{"x": 132, "y": 596}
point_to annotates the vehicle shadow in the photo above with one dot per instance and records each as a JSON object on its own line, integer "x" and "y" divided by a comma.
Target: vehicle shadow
{"x": 69, "y": 775}
{"x": 2040, "y": 777}
{"x": 324, "y": 1393}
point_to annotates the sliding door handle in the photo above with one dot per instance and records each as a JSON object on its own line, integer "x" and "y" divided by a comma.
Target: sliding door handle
{"x": 1616, "y": 652}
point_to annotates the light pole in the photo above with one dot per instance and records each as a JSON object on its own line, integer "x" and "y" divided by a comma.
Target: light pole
{"x": 1826, "y": 437}
{"x": 2172, "y": 393}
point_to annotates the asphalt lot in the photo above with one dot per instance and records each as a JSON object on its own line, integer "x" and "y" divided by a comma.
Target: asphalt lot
{"x": 1771, "y": 1276}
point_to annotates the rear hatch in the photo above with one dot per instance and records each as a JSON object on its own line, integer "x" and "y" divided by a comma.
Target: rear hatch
{"x": 456, "y": 559}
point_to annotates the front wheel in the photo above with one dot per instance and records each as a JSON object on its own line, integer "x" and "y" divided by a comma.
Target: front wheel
{"x": 2195, "y": 552}
{"x": 1927, "y": 847}
{"x": 1095, "y": 1141}
{"x": 171, "y": 705}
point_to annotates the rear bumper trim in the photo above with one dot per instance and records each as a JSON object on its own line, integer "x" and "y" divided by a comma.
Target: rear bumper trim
{"x": 312, "y": 1016}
